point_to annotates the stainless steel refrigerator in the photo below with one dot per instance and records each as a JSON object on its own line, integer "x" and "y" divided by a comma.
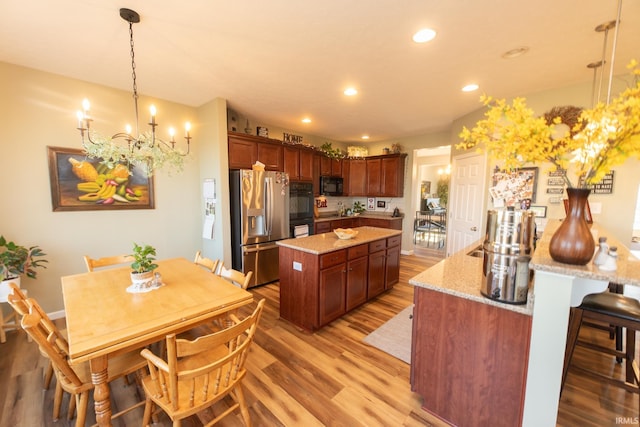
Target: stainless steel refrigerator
{"x": 259, "y": 218}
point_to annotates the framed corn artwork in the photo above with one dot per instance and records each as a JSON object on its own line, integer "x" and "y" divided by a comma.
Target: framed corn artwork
{"x": 79, "y": 183}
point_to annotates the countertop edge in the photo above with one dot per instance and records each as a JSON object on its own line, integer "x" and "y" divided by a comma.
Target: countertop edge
{"x": 319, "y": 244}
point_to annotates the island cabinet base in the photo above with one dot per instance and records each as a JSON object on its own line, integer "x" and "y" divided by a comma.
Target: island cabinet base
{"x": 469, "y": 359}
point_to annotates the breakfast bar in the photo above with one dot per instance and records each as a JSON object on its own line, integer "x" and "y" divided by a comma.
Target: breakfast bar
{"x": 477, "y": 361}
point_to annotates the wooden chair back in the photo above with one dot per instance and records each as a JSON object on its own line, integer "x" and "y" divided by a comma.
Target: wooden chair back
{"x": 209, "y": 264}
{"x": 108, "y": 261}
{"x": 198, "y": 373}
{"x": 234, "y": 276}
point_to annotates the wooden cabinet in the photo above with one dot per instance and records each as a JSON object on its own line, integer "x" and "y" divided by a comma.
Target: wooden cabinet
{"x": 355, "y": 177}
{"x": 322, "y": 227}
{"x": 377, "y": 263}
{"x": 471, "y": 355}
{"x": 392, "y": 267}
{"x": 330, "y": 167}
{"x": 317, "y": 289}
{"x": 385, "y": 175}
{"x": 298, "y": 163}
{"x": 393, "y": 223}
{"x": 316, "y": 174}
{"x": 245, "y": 150}
{"x": 356, "y": 276}
{"x": 332, "y": 286}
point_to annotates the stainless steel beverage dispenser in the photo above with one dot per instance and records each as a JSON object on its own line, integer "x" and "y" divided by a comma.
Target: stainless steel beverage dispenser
{"x": 508, "y": 246}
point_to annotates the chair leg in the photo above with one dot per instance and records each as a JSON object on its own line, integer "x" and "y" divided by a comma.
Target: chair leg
{"x": 57, "y": 401}
{"x": 71, "y": 410}
{"x": 244, "y": 410}
{"x": 148, "y": 408}
{"x": 630, "y": 353}
{"x": 48, "y": 375}
{"x": 575, "y": 320}
{"x": 82, "y": 404}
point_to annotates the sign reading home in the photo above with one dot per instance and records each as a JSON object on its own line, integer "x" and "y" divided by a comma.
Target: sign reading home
{"x": 291, "y": 139}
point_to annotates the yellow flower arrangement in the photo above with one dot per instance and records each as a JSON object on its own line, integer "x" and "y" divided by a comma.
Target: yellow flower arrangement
{"x": 601, "y": 138}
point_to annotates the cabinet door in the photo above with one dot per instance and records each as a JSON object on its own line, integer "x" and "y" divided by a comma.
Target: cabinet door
{"x": 374, "y": 170}
{"x": 356, "y": 282}
{"x": 392, "y": 269}
{"x": 332, "y": 293}
{"x": 316, "y": 174}
{"x": 392, "y": 177}
{"x": 305, "y": 172}
{"x": 336, "y": 167}
{"x": 357, "y": 179}
{"x": 376, "y": 273}
{"x": 322, "y": 227}
{"x": 271, "y": 156}
{"x": 242, "y": 154}
{"x": 291, "y": 158}
{"x": 325, "y": 166}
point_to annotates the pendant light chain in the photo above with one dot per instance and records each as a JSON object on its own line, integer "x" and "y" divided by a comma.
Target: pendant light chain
{"x": 133, "y": 76}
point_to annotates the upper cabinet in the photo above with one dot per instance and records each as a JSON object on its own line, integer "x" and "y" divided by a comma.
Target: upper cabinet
{"x": 330, "y": 167}
{"x": 355, "y": 177}
{"x": 385, "y": 175}
{"x": 298, "y": 163}
{"x": 245, "y": 150}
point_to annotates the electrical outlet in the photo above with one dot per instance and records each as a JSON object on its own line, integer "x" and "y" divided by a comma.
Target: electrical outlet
{"x": 595, "y": 207}
{"x": 297, "y": 266}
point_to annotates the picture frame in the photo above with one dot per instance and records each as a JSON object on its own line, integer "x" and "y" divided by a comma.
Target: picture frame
{"x": 510, "y": 187}
{"x": 587, "y": 211}
{"x": 133, "y": 192}
{"x": 381, "y": 204}
{"x": 371, "y": 203}
{"x": 539, "y": 211}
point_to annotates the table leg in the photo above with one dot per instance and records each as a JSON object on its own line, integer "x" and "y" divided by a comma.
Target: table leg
{"x": 99, "y": 378}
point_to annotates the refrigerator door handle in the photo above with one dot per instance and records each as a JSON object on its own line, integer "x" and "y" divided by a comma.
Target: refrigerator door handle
{"x": 261, "y": 247}
{"x": 268, "y": 182}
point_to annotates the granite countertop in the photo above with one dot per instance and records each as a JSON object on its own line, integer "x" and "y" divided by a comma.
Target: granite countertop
{"x": 461, "y": 275}
{"x": 335, "y": 216}
{"x": 628, "y": 271}
{"x": 328, "y": 242}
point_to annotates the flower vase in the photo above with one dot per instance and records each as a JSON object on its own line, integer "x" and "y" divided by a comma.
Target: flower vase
{"x": 573, "y": 243}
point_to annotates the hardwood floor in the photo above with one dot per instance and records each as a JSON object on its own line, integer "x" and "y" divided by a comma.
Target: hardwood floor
{"x": 296, "y": 378}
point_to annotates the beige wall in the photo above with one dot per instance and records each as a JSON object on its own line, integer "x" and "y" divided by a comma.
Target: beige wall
{"x": 38, "y": 109}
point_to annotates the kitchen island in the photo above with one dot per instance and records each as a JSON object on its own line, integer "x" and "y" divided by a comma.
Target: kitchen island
{"x": 323, "y": 277}
{"x": 481, "y": 362}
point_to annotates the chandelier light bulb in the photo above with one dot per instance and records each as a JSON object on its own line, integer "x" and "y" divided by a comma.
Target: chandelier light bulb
{"x": 172, "y": 134}
{"x": 128, "y": 129}
{"x": 187, "y": 128}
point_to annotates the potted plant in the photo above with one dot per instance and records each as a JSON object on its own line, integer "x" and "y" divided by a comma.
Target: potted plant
{"x": 143, "y": 265}
{"x": 358, "y": 208}
{"x": 16, "y": 260}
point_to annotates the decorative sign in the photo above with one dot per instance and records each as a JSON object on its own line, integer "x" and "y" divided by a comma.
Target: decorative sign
{"x": 555, "y": 190}
{"x": 557, "y": 173}
{"x": 263, "y": 131}
{"x": 558, "y": 182}
{"x": 291, "y": 139}
{"x": 605, "y": 186}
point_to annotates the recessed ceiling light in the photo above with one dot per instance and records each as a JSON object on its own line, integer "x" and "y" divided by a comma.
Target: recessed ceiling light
{"x": 306, "y": 120}
{"x": 514, "y": 53}
{"x": 350, "y": 91}
{"x": 424, "y": 35}
{"x": 365, "y": 136}
{"x": 470, "y": 87}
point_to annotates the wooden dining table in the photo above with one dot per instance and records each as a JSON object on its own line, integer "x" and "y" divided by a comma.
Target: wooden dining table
{"x": 104, "y": 320}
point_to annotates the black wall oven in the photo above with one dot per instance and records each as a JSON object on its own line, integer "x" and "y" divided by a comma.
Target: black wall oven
{"x": 301, "y": 202}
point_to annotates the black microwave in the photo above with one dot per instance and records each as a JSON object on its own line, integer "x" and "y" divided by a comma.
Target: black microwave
{"x": 330, "y": 186}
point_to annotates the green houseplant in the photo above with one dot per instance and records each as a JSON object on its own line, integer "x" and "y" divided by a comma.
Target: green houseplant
{"x": 143, "y": 259}
{"x": 16, "y": 260}
{"x": 358, "y": 207}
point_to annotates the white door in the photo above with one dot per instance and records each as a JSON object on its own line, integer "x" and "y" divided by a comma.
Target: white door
{"x": 466, "y": 202}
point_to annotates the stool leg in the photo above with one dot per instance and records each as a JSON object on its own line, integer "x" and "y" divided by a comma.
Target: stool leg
{"x": 575, "y": 320}
{"x": 3, "y": 335}
{"x": 630, "y": 356}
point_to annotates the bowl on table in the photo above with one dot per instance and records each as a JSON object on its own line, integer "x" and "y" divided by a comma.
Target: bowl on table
{"x": 345, "y": 233}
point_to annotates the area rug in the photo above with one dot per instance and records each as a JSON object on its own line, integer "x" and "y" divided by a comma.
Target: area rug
{"x": 394, "y": 337}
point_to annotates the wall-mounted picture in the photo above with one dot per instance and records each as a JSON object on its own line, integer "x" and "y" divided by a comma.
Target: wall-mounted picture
{"x": 371, "y": 203}
{"x": 511, "y": 187}
{"x": 382, "y": 204}
{"x": 556, "y": 181}
{"x": 79, "y": 183}
{"x": 539, "y": 211}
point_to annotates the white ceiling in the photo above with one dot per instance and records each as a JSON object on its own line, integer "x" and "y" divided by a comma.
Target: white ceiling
{"x": 281, "y": 60}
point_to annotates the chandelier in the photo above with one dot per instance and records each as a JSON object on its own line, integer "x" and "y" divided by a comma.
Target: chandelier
{"x": 137, "y": 149}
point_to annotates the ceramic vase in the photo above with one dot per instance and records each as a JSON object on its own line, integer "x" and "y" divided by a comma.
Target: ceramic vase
{"x": 573, "y": 243}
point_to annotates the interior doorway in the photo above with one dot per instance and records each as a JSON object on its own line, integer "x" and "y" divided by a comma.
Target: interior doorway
{"x": 430, "y": 200}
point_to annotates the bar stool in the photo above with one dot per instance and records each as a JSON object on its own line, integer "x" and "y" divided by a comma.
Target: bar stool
{"x": 612, "y": 309}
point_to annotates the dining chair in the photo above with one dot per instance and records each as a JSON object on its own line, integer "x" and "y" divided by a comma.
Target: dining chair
{"x": 234, "y": 276}
{"x": 18, "y": 300}
{"x": 198, "y": 373}
{"x": 207, "y": 263}
{"x": 608, "y": 308}
{"x": 76, "y": 379}
{"x": 108, "y": 261}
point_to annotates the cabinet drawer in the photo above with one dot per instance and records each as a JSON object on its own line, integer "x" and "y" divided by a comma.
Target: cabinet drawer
{"x": 394, "y": 241}
{"x": 333, "y": 258}
{"x": 358, "y": 251}
{"x": 377, "y": 245}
